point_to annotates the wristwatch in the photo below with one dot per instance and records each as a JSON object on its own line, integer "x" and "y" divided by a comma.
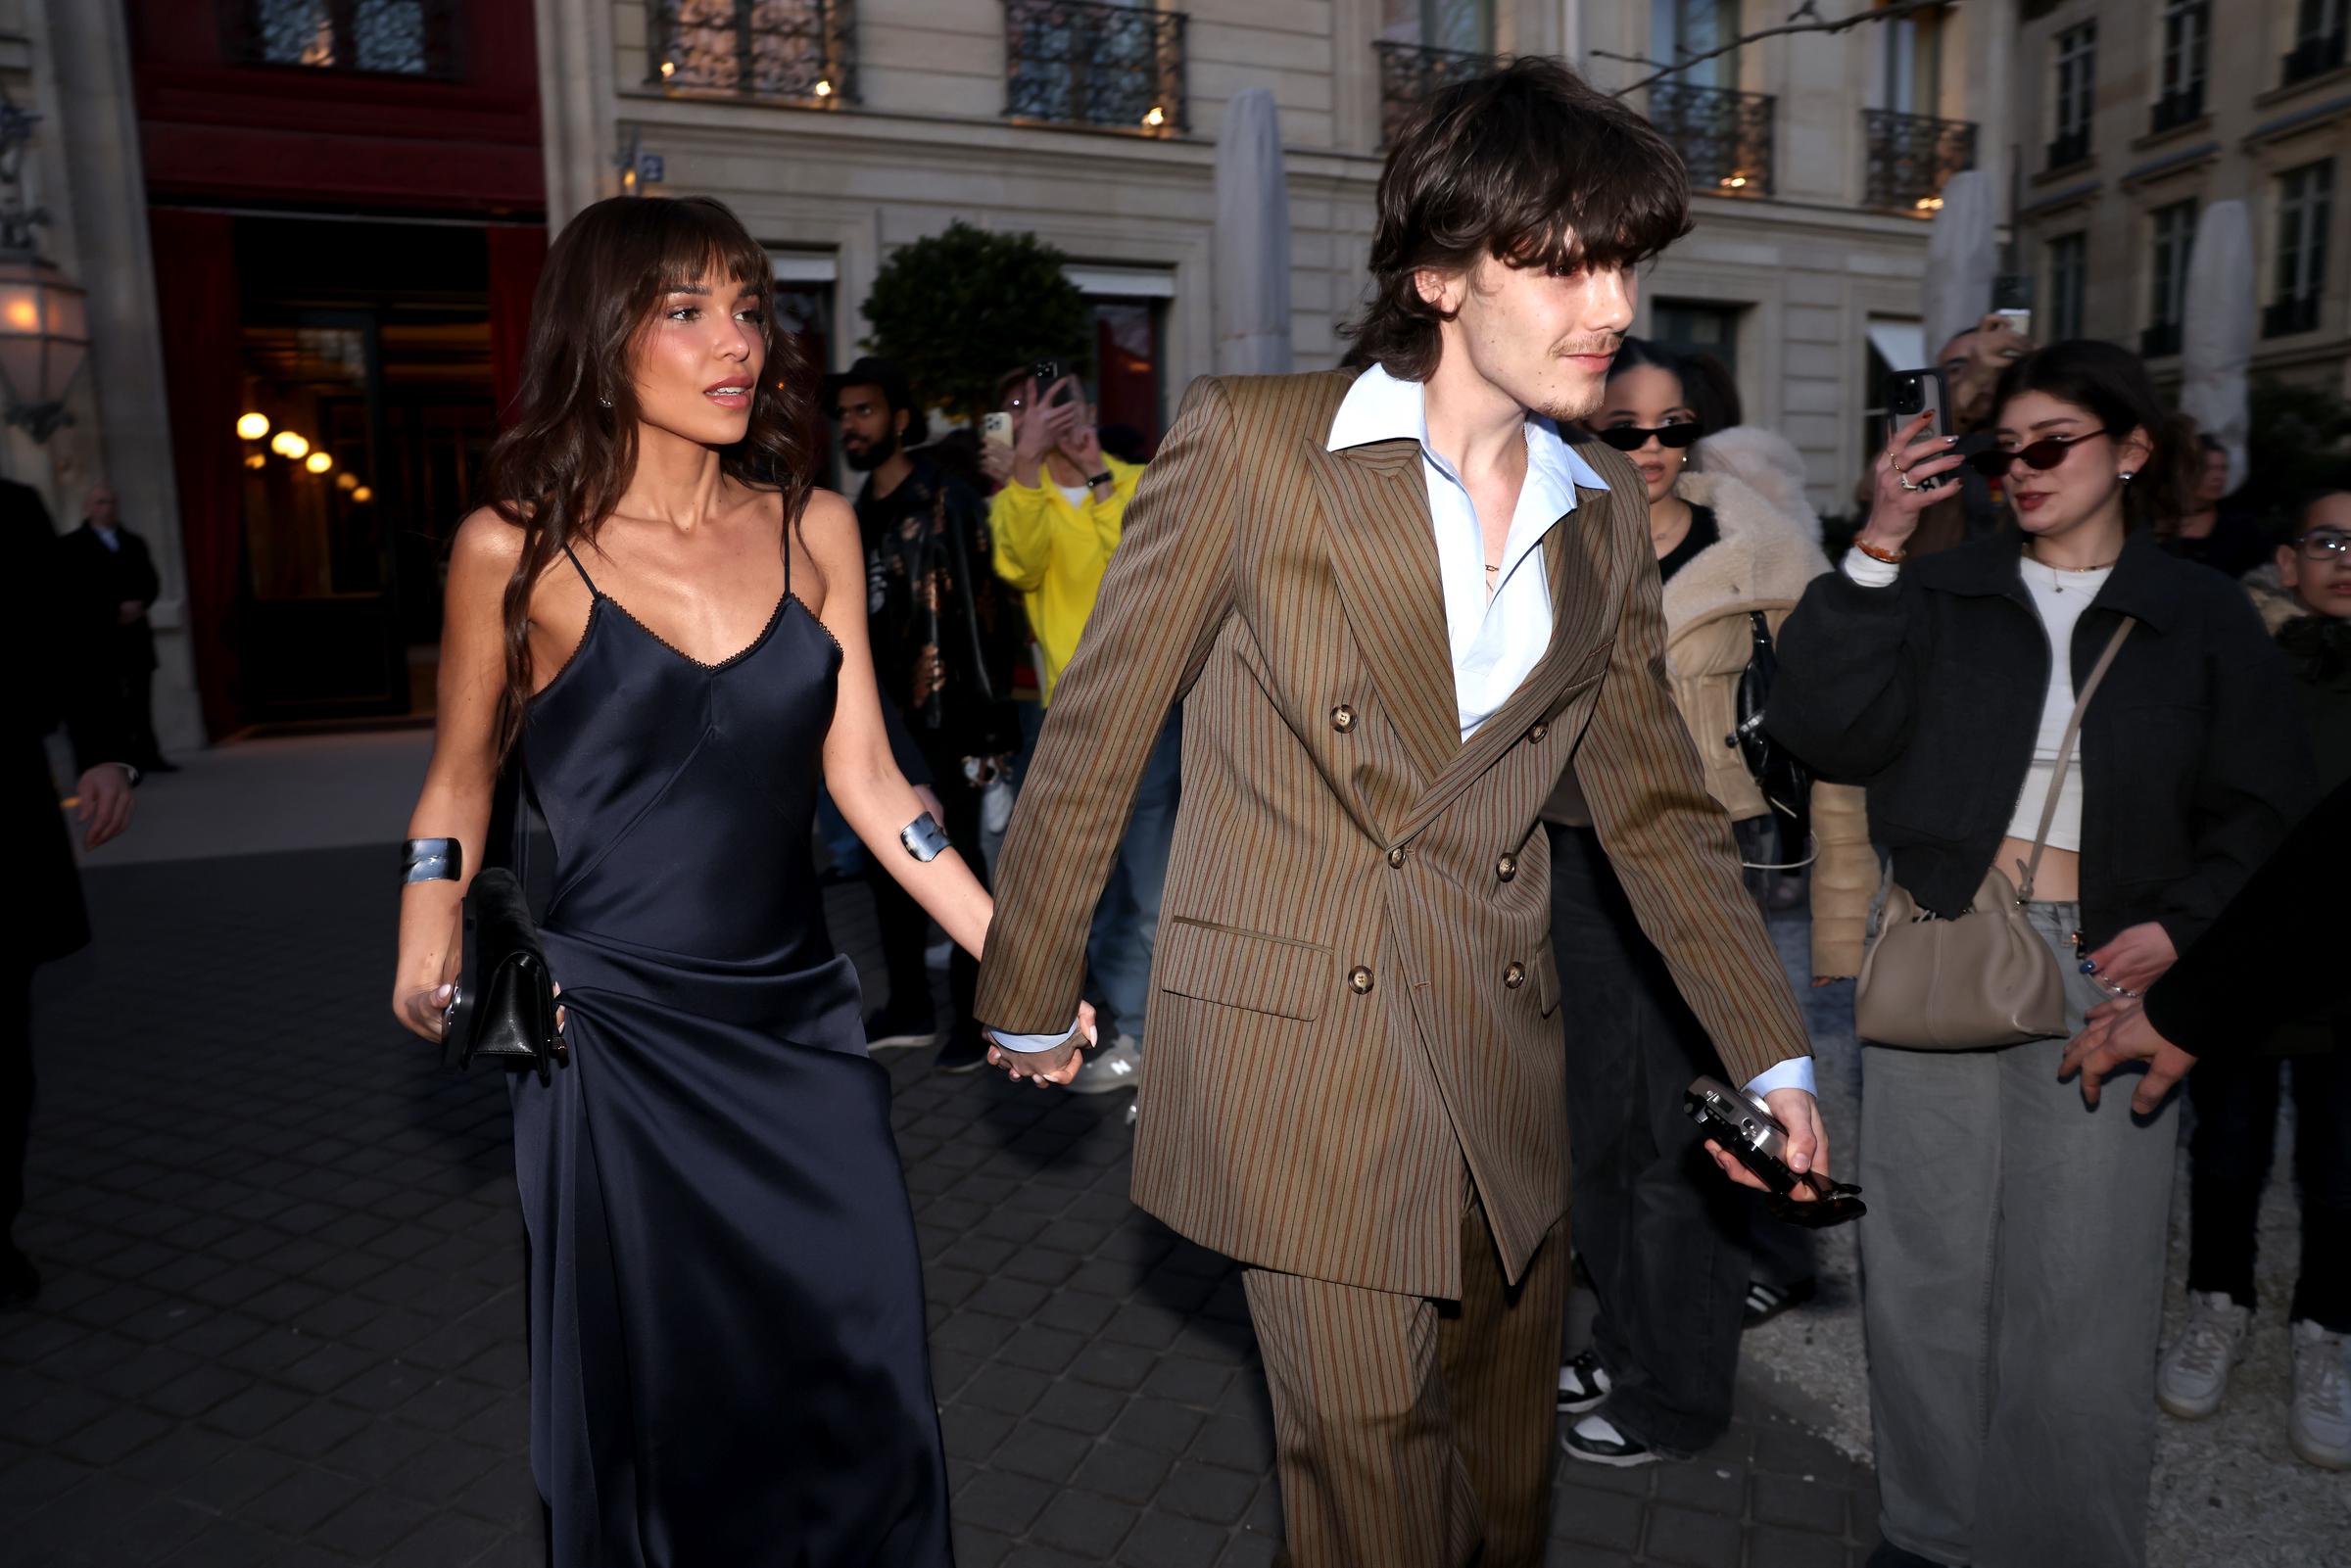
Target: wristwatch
{"x": 1102, "y": 478}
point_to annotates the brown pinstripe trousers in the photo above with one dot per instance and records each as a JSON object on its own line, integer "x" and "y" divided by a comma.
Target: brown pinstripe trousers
{"x": 1408, "y": 1431}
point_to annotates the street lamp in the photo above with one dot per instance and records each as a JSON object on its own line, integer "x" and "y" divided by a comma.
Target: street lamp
{"x": 44, "y": 328}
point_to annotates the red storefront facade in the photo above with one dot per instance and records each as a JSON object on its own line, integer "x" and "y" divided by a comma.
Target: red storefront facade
{"x": 346, "y": 210}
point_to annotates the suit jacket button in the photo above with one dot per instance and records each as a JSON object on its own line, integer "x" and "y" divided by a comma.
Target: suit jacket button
{"x": 1359, "y": 981}
{"x": 1396, "y": 858}
{"x": 1507, "y": 866}
{"x": 1516, "y": 975}
{"x": 1342, "y": 717}
{"x": 1537, "y": 733}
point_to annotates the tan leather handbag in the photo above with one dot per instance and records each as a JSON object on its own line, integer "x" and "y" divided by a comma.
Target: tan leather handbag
{"x": 1983, "y": 977}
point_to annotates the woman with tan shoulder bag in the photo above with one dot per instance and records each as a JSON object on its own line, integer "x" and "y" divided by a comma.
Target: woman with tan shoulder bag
{"x": 2075, "y": 749}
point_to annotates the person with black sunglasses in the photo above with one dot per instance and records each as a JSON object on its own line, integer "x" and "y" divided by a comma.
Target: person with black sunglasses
{"x": 1669, "y": 1251}
{"x": 2014, "y": 1245}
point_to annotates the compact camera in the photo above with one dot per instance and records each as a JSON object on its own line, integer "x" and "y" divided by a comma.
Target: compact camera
{"x": 1745, "y": 1129}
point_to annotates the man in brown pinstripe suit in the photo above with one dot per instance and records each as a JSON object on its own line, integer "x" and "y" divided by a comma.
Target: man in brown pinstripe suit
{"x": 1396, "y": 607}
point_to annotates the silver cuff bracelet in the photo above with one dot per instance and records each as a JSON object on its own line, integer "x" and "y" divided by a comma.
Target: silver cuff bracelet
{"x": 924, "y": 838}
{"x": 431, "y": 860}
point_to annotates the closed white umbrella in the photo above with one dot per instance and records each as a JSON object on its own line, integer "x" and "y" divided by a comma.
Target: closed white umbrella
{"x": 1962, "y": 259}
{"x": 1252, "y": 314}
{"x": 2216, "y": 334}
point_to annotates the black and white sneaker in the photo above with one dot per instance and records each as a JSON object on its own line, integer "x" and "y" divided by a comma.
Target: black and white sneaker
{"x": 1595, "y": 1442}
{"x": 888, "y": 1028}
{"x": 1583, "y": 1384}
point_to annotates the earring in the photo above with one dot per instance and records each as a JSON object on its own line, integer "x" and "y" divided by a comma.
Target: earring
{"x": 2126, "y": 476}
{"x": 606, "y": 403}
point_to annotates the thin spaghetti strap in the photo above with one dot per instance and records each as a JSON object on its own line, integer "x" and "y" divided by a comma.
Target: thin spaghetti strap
{"x": 788, "y": 561}
{"x": 593, "y": 590}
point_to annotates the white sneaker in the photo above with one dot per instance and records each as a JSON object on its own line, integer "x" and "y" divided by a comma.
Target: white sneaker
{"x": 2319, "y": 1426}
{"x": 2194, "y": 1373}
{"x": 1110, "y": 1068}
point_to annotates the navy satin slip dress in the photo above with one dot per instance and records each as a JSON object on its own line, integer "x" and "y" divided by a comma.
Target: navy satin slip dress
{"x": 727, "y": 1360}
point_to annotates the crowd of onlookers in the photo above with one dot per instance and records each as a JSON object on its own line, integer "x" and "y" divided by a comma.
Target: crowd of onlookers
{"x": 1922, "y": 715}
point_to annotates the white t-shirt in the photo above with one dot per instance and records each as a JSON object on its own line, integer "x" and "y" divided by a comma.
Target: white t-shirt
{"x": 2060, "y": 597}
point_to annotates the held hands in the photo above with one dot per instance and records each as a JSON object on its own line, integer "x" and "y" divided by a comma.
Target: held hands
{"x": 1808, "y": 1143}
{"x": 1056, "y": 1066}
{"x": 2135, "y": 959}
{"x": 2116, "y": 1032}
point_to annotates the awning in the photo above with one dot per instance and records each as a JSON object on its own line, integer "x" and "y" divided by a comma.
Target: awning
{"x": 1122, "y": 282}
{"x": 1902, "y": 345}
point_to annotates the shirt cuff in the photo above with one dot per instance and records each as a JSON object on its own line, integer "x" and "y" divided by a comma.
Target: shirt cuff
{"x": 1868, "y": 571}
{"x": 1794, "y": 1073}
{"x": 1031, "y": 1044}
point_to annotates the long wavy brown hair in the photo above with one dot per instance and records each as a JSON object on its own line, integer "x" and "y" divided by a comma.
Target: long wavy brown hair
{"x": 570, "y": 449}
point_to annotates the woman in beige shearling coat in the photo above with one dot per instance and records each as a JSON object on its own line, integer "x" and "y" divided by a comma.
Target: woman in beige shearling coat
{"x": 1668, "y": 1256}
{"x": 1762, "y": 562}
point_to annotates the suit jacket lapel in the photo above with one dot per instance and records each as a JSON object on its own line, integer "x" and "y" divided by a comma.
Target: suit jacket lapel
{"x": 1383, "y": 547}
{"x": 1575, "y": 553}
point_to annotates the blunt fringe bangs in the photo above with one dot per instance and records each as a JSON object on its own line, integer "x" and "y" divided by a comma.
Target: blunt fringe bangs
{"x": 570, "y": 448}
{"x": 1529, "y": 166}
{"x": 2112, "y": 384}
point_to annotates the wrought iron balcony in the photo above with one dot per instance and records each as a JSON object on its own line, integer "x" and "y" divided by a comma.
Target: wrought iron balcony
{"x": 1409, "y": 74}
{"x": 394, "y": 37}
{"x": 2157, "y": 340}
{"x": 1074, "y": 63}
{"x": 2296, "y": 312}
{"x": 2180, "y": 107}
{"x": 798, "y": 51}
{"x": 1911, "y": 156}
{"x": 2069, "y": 149}
{"x": 2314, "y": 57}
{"x": 1724, "y": 136}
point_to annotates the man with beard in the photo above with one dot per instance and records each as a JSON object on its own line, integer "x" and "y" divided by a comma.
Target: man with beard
{"x": 946, "y": 636}
{"x": 1396, "y": 607}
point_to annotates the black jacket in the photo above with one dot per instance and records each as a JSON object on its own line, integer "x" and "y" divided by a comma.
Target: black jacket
{"x": 102, "y": 581}
{"x": 52, "y": 652}
{"x": 2269, "y": 954}
{"x": 945, "y": 631}
{"x": 1929, "y": 692}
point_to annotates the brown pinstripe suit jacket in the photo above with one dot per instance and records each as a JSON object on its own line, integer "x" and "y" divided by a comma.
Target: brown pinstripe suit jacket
{"x": 1354, "y": 997}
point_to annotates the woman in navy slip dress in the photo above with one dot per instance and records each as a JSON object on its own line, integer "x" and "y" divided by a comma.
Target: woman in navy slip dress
{"x": 728, "y": 1360}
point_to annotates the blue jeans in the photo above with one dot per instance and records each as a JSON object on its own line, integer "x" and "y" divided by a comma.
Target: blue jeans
{"x": 1126, "y": 919}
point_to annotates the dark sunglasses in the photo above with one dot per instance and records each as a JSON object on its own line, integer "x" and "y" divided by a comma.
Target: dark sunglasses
{"x": 1632, "y": 438}
{"x": 2041, "y": 457}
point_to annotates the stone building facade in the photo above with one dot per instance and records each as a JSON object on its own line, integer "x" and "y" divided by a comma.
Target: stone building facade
{"x": 2135, "y": 114}
{"x": 1817, "y": 156}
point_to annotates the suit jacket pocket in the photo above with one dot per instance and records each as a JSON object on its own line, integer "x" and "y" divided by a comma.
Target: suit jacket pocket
{"x": 1243, "y": 968}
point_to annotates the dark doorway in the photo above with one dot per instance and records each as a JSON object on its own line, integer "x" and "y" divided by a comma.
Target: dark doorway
{"x": 366, "y": 357}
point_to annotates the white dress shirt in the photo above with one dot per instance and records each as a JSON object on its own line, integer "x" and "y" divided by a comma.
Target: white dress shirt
{"x": 1495, "y": 641}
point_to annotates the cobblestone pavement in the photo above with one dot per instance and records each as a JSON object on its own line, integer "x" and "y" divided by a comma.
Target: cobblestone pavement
{"x": 284, "y": 1319}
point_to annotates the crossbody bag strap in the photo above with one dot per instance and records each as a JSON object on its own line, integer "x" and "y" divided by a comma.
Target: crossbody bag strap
{"x": 2065, "y": 753}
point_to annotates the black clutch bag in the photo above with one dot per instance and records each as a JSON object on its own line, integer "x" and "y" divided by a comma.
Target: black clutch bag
{"x": 505, "y": 1009}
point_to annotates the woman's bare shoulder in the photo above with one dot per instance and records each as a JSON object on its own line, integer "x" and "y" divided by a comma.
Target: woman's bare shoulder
{"x": 486, "y": 542}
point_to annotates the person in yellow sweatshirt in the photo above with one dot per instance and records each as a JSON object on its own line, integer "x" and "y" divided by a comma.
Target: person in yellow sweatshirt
{"x": 1057, "y": 517}
{"x": 1056, "y": 523}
